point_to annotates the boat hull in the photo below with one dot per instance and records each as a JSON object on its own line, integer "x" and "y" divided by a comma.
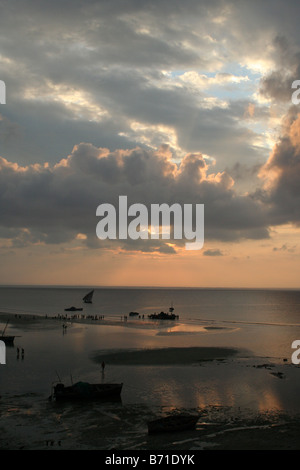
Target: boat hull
{"x": 163, "y": 316}
{"x": 7, "y": 339}
{"x": 85, "y": 391}
{"x": 73, "y": 309}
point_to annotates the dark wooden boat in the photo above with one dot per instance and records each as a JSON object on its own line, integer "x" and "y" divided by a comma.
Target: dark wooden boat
{"x": 86, "y": 391}
{"x": 173, "y": 423}
{"x": 164, "y": 315}
{"x": 73, "y": 309}
{"x": 7, "y": 339}
{"x": 133, "y": 314}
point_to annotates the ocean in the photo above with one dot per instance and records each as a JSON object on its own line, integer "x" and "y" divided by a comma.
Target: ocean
{"x": 256, "y": 375}
{"x": 266, "y": 321}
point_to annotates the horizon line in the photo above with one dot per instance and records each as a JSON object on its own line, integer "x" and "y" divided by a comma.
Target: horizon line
{"x": 88, "y": 286}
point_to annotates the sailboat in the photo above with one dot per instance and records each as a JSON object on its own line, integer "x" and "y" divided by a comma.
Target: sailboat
{"x": 88, "y": 297}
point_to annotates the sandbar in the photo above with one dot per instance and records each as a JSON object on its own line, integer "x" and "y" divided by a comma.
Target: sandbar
{"x": 165, "y": 356}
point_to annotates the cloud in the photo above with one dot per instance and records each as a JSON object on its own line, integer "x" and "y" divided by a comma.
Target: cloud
{"x": 53, "y": 204}
{"x": 281, "y": 175}
{"x": 213, "y": 253}
{"x": 277, "y": 84}
{"x": 110, "y": 75}
{"x": 285, "y": 247}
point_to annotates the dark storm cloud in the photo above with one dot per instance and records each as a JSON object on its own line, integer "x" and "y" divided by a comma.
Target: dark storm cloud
{"x": 54, "y": 204}
{"x": 281, "y": 194}
{"x": 281, "y": 173}
{"x": 278, "y": 84}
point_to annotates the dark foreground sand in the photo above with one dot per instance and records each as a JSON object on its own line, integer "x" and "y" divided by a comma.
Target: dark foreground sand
{"x": 124, "y": 428}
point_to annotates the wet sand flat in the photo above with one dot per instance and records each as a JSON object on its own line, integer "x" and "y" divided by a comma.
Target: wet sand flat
{"x": 166, "y": 356}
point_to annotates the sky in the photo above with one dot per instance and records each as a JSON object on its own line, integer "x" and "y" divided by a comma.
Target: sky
{"x": 162, "y": 101}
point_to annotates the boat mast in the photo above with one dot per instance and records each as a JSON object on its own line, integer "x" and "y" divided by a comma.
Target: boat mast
{"x": 4, "y": 328}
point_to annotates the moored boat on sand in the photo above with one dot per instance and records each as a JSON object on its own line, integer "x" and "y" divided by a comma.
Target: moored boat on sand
{"x": 87, "y": 391}
{"x": 5, "y": 338}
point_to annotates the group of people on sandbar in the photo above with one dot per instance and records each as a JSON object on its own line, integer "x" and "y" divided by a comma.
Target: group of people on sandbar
{"x": 76, "y": 317}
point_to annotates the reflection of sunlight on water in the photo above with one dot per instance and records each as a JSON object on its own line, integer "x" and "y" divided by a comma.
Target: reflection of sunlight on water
{"x": 193, "y": 329}
{"x": 182, "y": 328}
{"x": 268, "y": 400}
{"x": 208, "y": 397}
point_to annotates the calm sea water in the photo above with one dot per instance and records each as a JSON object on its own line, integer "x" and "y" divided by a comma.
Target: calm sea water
{"x": 264, "y": 306}
{"x": 263, "y": 321}
{"x": 262, "y": 324}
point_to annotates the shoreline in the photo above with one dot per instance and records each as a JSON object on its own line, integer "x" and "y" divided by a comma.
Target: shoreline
{"x": 56, "y": 321}
{"x": 21, "y": 319}
{"x": 17, "y": 320}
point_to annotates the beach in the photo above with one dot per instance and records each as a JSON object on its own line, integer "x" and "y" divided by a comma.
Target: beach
{"x": 243, "y": 402}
